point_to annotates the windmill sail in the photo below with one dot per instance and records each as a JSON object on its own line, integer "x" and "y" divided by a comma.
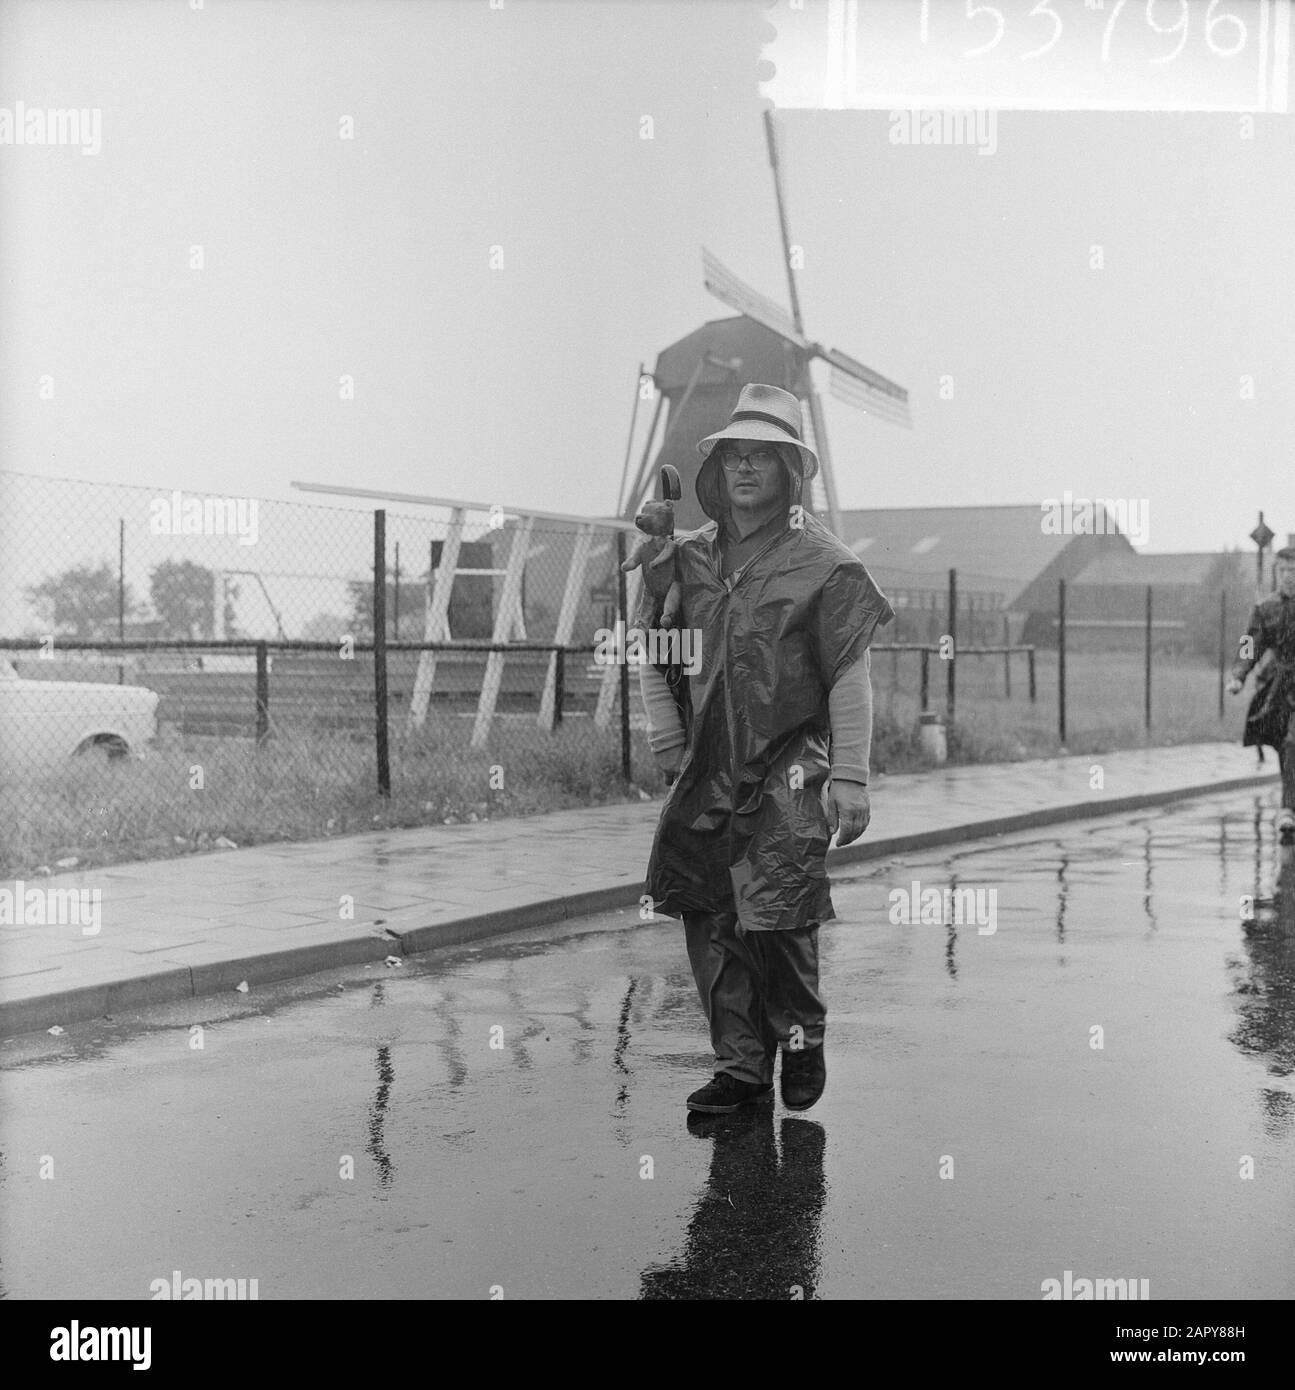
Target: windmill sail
{"x": 867, "y": 390}
{"x": 737, "y": 294}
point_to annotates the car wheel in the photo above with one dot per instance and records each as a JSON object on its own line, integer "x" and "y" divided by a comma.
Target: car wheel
{"x": 102, "y": 750}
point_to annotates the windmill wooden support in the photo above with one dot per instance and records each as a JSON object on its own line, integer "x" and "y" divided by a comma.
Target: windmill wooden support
{"x": 436, "y": 622}
{"x": 510, "y": 619}
{"x": 582, "y": 551}
{"x": 610, "y": 682}
{"x": 510, "y": 626}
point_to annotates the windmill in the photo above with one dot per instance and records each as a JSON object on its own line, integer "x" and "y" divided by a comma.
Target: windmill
{"x": 700, "y": 375}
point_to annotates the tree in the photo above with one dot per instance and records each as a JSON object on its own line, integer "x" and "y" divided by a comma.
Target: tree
{"x": 326, "y": 627}
{"x": 184, "y": 597}
{"x": 232, "y": 592}
{"x": 360, "y": 622}
{"x": 80, "y": 603}
{"x": 471, "y": 607}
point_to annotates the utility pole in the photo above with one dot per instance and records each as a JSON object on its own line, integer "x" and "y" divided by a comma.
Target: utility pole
{"x": 1262, "y": 536}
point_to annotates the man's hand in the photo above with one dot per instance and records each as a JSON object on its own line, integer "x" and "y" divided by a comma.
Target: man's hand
{"x": 1234, "y": 686}
{"x": 848, "y": 810}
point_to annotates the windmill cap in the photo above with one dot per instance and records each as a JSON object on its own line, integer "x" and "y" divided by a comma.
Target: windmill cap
{"x": 769, "y": 414}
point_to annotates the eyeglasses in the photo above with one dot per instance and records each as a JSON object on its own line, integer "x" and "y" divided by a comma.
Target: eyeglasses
{"x": 759, "y": 459}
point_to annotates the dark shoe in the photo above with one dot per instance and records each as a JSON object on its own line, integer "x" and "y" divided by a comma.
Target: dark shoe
{"x": 726, "y": 1093}
{"x": 804, "y": 1074}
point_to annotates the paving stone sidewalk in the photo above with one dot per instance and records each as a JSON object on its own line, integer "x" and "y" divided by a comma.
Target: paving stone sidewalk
{"x": 177, "y": 928}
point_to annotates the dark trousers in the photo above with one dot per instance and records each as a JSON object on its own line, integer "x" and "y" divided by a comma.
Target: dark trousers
{"x": 1286, "y": 756}
{"x": 759, "y": 990}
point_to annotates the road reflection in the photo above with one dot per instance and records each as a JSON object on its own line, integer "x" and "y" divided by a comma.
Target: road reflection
{"x": 756, "y": 1229}
{"x": 1263, "y": 982}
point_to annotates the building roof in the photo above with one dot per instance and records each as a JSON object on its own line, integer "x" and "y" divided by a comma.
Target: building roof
{"x": 994, "y": 549}
{"x": 1114, "y": 568}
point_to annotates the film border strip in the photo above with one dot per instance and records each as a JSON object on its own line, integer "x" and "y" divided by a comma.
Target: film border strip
{"x": 1106, "y": 55}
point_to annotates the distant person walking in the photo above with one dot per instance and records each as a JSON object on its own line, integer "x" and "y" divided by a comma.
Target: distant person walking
{"x": 784, "y": 613}
{"x": 1271, "y": 717}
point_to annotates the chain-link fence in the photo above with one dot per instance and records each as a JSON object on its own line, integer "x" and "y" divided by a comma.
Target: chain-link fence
{"x": 921, "y": 601}
{"x": 110, "y": 562}
{"x": 181, "y": 669}
{"x": 1093, "y": 668}
{"x": 272, "y": 690}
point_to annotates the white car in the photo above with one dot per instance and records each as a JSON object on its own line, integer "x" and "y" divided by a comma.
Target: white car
{"x": 44, "y": 722}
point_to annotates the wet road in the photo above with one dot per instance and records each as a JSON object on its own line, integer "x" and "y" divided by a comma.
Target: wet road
{"x": 975, "y": 1139}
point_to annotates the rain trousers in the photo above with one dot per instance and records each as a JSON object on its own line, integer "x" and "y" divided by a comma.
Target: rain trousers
{"x": 744, "y": 828}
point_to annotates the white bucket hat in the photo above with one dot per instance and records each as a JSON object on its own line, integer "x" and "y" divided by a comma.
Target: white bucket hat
{"x": 769, "y": 414}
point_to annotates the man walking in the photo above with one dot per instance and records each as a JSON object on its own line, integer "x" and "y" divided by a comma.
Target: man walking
{"x": 783, "y": 613}
{"x": 1271, "y": 717}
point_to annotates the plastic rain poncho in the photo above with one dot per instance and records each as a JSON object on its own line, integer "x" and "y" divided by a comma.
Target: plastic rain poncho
{"x": 1271, "y": 629}
{"x": 744, "y": 827}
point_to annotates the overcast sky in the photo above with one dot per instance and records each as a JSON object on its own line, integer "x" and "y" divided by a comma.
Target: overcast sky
{"x": 520, "y": 128}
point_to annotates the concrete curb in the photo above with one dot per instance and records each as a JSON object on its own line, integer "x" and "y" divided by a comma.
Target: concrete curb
{"x": 165, "y": 985}
{"x": 172, "y": 982}
{"x": 1030, "y": 820}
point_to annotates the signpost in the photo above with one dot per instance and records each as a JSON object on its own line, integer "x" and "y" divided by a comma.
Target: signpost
{"x": 1262, "y": 536}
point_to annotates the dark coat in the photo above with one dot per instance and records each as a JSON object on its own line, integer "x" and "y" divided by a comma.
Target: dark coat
{"x": 742, "y": 830}
{"x": 1271, "y": 629}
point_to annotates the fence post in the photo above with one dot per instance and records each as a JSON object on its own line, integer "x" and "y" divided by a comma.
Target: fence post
{"x": 559, "y": 684}
{"x": 1033, "y": 687}
{"x": 622, "y": 609}
{"x": 121, "y": 592}
{"x": 262, "y": 693}
{"x": 1223, "y": 644}
{"x": 953, "y": 644}
{"x": 1147, "y": 697}
{"x": 380, "y": 648}
{"x": 1061, "y": 660}
{"x": 1007, "y": 657}
{"x": 926, "y": 680}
